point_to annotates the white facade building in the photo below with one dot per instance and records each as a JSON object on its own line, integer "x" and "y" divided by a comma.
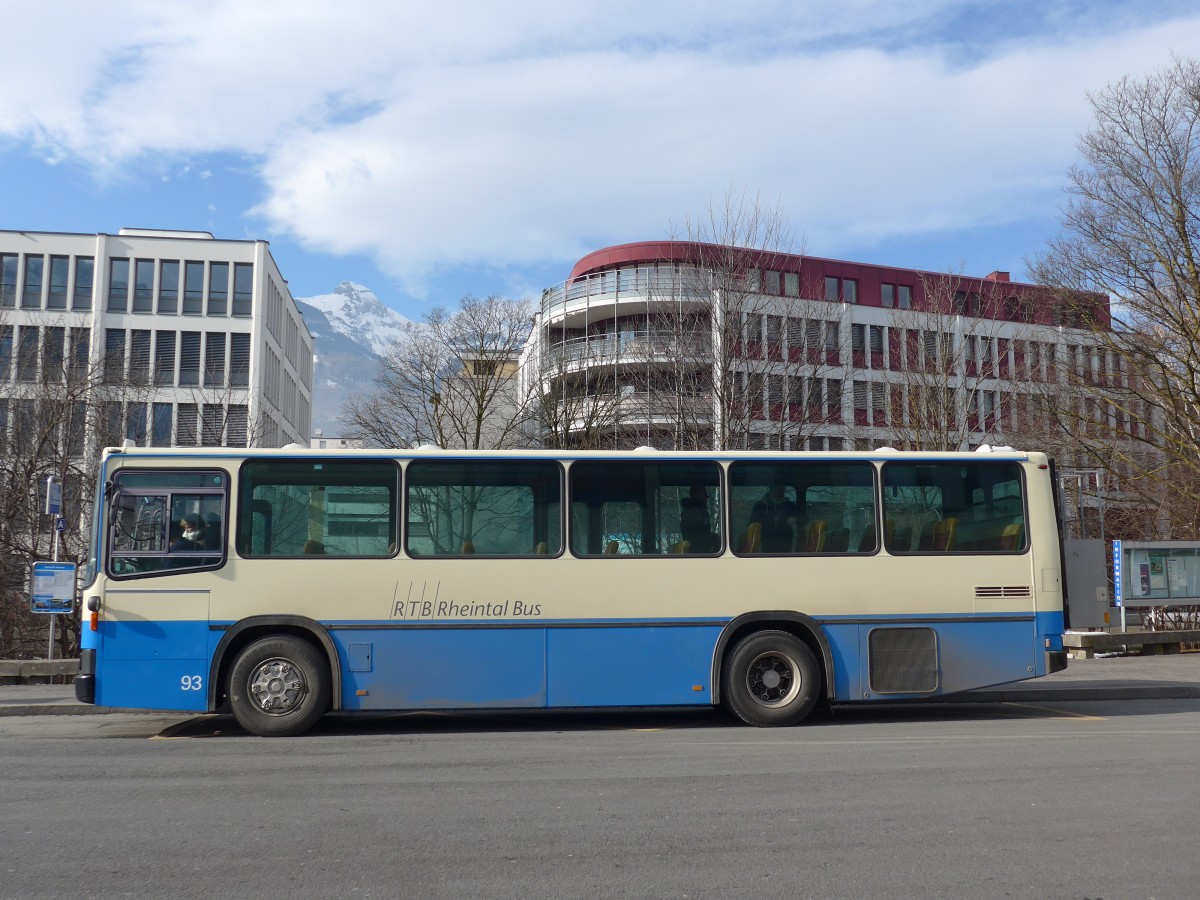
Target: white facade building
{"x": 204, "y": 330}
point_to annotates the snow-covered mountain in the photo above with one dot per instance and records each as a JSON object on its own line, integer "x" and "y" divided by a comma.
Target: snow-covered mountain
{"x": 351, "y": 329}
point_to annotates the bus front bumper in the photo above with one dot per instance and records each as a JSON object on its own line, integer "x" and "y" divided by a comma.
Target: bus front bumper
{"x": 85, "y": 681}
{"x": 1056, "y": 661}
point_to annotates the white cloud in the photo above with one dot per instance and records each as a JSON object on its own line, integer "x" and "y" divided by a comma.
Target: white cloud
{"x": 501, "y": 135}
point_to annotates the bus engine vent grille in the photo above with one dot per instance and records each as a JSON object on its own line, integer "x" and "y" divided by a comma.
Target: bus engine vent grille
{"x": 998, "y": 591}
{"x": 904, "y": 660}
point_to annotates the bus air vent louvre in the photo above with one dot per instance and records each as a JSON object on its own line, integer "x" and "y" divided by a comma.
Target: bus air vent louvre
{"x": 997, "y": 592}
{"x": 904, "y": 660}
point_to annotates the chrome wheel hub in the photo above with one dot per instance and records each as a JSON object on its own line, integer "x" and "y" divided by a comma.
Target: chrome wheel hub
{"x": 277, "y": 686}
{"x": 773, "y": 679}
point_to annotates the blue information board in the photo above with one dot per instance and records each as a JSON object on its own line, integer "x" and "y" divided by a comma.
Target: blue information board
{"x": 53, "y": 587}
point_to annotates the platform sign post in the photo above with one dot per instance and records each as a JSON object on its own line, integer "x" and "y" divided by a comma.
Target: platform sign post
{"x": 1117, "y": 553}
{"x": 48, "y": 581}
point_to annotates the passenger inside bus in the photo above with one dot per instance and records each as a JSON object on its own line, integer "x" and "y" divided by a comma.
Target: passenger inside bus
{"x": 695, "y": 523}
{"x": 778, "y": 515}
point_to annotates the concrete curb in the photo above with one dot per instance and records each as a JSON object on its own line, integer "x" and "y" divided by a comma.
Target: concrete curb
{"x": 13, "y": 710}
{"x": 1028, "y": 695}
{"x": 1065, "y": 695}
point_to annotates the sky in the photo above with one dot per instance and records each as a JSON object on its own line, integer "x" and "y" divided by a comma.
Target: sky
{"x": 432, "y": 150}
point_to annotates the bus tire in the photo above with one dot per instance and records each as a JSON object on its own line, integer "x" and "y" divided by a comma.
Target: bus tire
{"x": 279, "y": 686}
{"x": 771, "y": 679}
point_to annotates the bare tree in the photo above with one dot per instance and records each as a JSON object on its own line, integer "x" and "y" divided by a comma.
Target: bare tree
{"x": 764, "y": 371}
{"x": 1130, "y": 232}
{"x": 574, "y": 394}
{"x": 57, "y": 407}
{"x": 451, "y": 380}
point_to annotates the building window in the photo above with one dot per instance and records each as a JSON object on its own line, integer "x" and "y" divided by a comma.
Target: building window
{"x": 31, "y": 296}
{"x": 237, "y": 426}
{"x": 841, "y": 289}
{"x": 168, "y": 287}
{"x": 212, "y": 424}
{"x": 887, "y": 295}
{"x": 239, "y": 360}
{"x": 118, "y": 285}
{"x": 81, "y": 297}
{"x": 193, "y": 289}
{"x": 53, "y": 341}
{"x": 791, "y": 284}
{"x": 160, "y": 425}
{"x": 80, "y": 350}
{"x": 904, "y": 296}
{"x": 60, "y": 267}
{"x": 966, "y": 303}
{"x": 185, "y": 435}
{"x": 8, "y": 279}
{"x": 214, "y": 359}
{"x": 832, "y": 337}
{"x": 135, "y": 423}
{"x": 876, "y": 339}
{"x": 218, "y": 289}
{"x": 143, "y": 286}
{"x": 139, "y": 356}
{"x": 114, "y": 355}
{"x": 164, "y": 357}
{"x": 189, "y": 359}
{"x": 243, "y": 289}
{"x": 27, "y": 353}
{"x": 772, "y": 283}
{"x": 6, "y": 352}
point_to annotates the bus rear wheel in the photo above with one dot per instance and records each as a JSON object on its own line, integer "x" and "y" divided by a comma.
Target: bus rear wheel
{"x": 771, "y": 679}
{"x": 279, "y": 686}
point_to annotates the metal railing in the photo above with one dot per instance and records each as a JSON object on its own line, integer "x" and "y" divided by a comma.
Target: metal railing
{"x": 659, "y": 283}
{"x": 627, "y": 346}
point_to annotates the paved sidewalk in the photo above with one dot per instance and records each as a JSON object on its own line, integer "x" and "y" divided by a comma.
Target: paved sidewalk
{"x": 1170, "y": 677}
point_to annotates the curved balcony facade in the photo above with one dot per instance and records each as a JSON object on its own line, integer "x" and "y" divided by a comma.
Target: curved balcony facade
{"x": 840, "y": 337}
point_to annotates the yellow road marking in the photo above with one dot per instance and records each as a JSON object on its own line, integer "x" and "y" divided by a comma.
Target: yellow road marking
{"x": 1059, "y": 713}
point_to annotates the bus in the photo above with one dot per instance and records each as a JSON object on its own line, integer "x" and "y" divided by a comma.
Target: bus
{"x": 281, "y": 585}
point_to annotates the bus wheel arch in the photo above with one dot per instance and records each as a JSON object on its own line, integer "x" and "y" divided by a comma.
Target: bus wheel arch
{"x": 803, "y": 628}
{"x": 247, "y": 631}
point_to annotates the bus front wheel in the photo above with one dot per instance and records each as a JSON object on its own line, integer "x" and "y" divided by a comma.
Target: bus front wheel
{"x": 771, "y": 679}
{"x": 279, "y": 686}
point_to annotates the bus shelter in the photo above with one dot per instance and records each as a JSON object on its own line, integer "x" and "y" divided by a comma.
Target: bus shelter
{"x": 1158, "y": 573}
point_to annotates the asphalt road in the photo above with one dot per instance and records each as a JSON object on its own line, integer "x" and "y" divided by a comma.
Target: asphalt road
{"x": 1061, "y": 800}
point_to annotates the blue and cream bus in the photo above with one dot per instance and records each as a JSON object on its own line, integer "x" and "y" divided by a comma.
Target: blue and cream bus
{"x": 284, "y": 584}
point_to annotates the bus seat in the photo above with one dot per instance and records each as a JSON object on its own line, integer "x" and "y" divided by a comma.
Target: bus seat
{"x": 752, "y": 539}
{"x": 682, "y": 547}
{"x": 944, "y": 533}
{"x": 926, "y": 541}
{"x": 611, "y": 548}
{"x": 866, "y": 543}
{"x": 313, "y": 548}
{"x": 468, "y": 548}
{"x": 838, "y": 540}
{"x": 541, "y": 549}
{"x": 814, "y": 541}
{"x": 900, "y": 541}
{"x": 1013, "y": 536}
